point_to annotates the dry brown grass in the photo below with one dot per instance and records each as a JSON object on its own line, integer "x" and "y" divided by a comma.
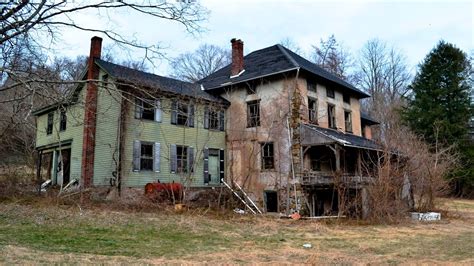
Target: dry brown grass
{"x": 218, "y": 238}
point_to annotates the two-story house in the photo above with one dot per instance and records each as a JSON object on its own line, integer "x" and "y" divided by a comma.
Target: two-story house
{"x": 278, "y": 125}
{"x": 292, "y": 128}
{"x": 126, "y": 128}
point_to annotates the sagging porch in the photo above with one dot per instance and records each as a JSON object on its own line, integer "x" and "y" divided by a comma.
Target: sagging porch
{"x": 336, "y": 168}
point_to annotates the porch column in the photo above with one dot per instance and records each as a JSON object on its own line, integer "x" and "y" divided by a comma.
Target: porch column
{"x": 38, "y": 170}
{"x": 337, "y": 152}
{"x": 359, "y": 163}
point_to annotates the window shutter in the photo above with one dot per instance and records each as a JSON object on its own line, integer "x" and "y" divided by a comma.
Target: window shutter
{"x": 221, "y": 121}
{"x": 156, "y": 157}
{"x": 206, "y": 166}
{"x": 206, "y": 117}
{"x": 191, "y": 115}
{"x": 173, "y": 159}
{"x": 221, "y": 165}
{"x": 174, "y": 112}
{"x": 138, "y": 108}
{"x": 158, "y": 111}
{"x": 190, "y": 159}
{"x": 136, "y": 155}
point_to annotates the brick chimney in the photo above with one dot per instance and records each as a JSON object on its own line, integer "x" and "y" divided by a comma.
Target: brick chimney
{"x": 90, "y": 110}
{"x": 237, "y": 56}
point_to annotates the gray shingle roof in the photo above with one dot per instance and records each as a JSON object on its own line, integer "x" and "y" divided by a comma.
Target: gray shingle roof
{"x": 269, "y": 61}
{"x": 367, "y": 119}
{"x": 129, "y": 75}
{"x": 348, "y": 140}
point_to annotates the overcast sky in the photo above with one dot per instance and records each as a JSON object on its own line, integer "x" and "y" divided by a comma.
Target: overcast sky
{"x": 412, "y": 27}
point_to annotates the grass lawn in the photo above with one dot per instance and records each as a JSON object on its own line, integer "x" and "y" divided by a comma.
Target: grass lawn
{"x": 35, "y": 233}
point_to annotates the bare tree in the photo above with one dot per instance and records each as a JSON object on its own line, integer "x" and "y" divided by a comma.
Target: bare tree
{"x": 205, "y": 60}
{"x": 333, "y": 57}
{"x": 291, "y": 44}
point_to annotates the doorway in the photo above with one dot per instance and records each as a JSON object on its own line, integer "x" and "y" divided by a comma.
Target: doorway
{"x": 214, "y": 166}
{"x": 271, "y": 201}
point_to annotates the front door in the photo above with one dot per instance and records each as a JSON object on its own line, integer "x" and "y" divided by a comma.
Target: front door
{"x": 214, "y": 166}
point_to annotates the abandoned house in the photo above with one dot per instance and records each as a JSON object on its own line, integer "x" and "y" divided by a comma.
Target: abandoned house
{"x": 278, "y": 125}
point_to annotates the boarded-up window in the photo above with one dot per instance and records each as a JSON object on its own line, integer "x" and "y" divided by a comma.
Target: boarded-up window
{"x": 331, "y": 116}
{"x": 253, "y": 113}
{"x": 268, "y": 162}
{"x": 313, "y": 110}
{"x": 348, "y": 121}
{"x": 49, "y": 127}
{"x": 62, "y": 121}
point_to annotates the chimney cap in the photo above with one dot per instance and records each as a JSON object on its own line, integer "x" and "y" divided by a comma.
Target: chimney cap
{"x": 233, "y": 40}
{"x": 96, "y": 38}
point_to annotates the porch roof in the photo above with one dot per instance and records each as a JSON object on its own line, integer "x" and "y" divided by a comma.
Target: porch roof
{"x": 312, "y": 135}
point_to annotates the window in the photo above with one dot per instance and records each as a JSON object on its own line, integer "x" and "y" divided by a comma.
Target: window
{"x": 62, "y": 120}
{"x": 251, "y": 89}
{"x": 146, "y": 109}
{"x": 49, "y": 127}
{"x": 182, "y": 113}
{"x": 146, "y": 156}
{"x": 348, "y": 121}
{"x": 312, "y": 86}
{"x": 331, "y": 116}
{"x": 346, "y": 98}
{"x": 253, "y": 113}
{"x": 182, "y": 116}
{"x": 267, "y": 156}
{"x": 105, "y": 80}
{"x": 313, "y": 110}
{"x": 330, "y": 92}
{"x": 182, "y": 159}
{"x": 213, "y": 119}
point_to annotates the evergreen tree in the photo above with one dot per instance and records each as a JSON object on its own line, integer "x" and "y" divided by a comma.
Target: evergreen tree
{"x": 439, "y": 107}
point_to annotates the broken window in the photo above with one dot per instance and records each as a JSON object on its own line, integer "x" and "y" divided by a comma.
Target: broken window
{"x": 49, "y": 127}
{"x": 331, "y": 116}
{"x": 268, "y": 162}
{"x": 146, "y": 156}
{"x": 330, "y": 92}
{"x": 251, "y": 89}
{"x": 213, "y": 119}
{"x": 148, "y": 109}
{"x": 62, "y": 120}
{"x": 182, "y": 159}
{"x": 346, "y": 98}
{"x": 348, "y": 121}
{"x": 253, "y": 113}
{"x": 313, "y": 110}
{"x": 312, "y": 86}
{"x": 182, "y": 113}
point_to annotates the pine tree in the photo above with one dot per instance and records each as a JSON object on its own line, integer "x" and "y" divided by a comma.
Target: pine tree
{"x": 439, "y": 108}
{"x": 439, "y": 104}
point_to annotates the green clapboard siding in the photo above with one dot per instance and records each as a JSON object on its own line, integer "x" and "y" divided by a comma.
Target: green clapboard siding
{"x": 107, "y": 147}
{"x": 74, "y": 132}
{"x": 166, "y": 134}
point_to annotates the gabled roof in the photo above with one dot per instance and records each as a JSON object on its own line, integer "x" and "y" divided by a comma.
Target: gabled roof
{"x": 269, "y": 61}
{"x": 327, "y": 136}
{"x": 140, "y": 78}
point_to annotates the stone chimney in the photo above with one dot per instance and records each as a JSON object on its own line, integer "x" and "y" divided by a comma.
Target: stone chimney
{"x": 90, "y": 110}
{"x": 237, "y": 56}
